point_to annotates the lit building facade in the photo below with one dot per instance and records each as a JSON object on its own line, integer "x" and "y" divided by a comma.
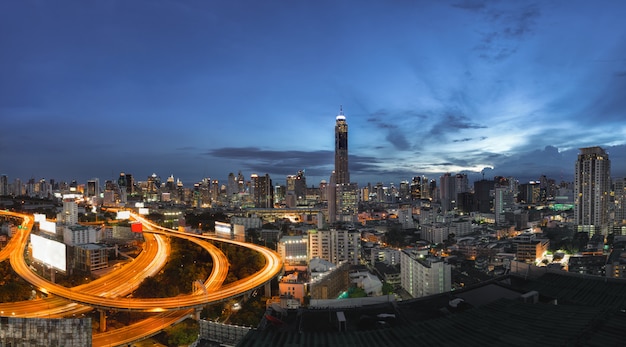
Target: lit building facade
{"x": 345, "y": 195}
{"x": 294, "y": 249}
{"x": 334, "y": 245}
{"x": 592, "y": 186}
{"x": 619, "y": 221}
{"x": 263, "y": 191}
{"x": 342, "y": 174}
{"x": 502, "y": 202}
{"x": 78, "y": 234}
{"x": 423, "y": 276}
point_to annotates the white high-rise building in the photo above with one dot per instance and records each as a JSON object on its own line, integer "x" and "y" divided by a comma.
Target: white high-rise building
{"x": 334, "y": 245}
{"x": 592, "y": 184}
{"x": 69, "y": 215}
{"x": 502, "y": 202}
{"x": 79, "y": 234}
{"x": 421, "y": 275}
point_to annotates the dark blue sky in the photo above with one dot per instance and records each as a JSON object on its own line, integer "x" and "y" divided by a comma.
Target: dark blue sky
{"x": 203, "y": 88}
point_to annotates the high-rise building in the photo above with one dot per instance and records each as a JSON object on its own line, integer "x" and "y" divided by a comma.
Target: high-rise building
{"x": 4, "y": 185}
{"x": 93, "y": 187}
{"x": 263, "y": 191}
{"x": 344, "y": 193}
{"x": 450, "y": 186}
{"x": 416, "y": 188}
{"x": 122, "y": 184}
{"x": 502, "y": 203}
{"x": 18, "y": 187}
{"x": 130, "y": 184}
{"x": 347, "y": 202}
{"x": 483, "y": 191}
{"x": 215, "y": 191}
{"x": 342, "y": 174}
{"x": 530, "y": 193}
{"x": 421, "y": 275}
{"x": 69, "y": 215}
{"x": 619, "y": 187}
{"x": 335, "y": 245}
{"x": 592, "y": 184}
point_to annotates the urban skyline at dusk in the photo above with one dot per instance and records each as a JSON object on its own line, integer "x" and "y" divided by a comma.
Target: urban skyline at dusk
{"x": 201, "y": 89}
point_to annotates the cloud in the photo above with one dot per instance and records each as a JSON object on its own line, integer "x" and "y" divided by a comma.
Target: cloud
{"x": 468, "y": 139}
{"x": 453, "y": 123}
{"x": 506, "y": 28}
{"x": 383, "y": 119}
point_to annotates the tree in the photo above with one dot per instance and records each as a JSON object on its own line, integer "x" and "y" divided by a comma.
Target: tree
{"x": 356, "y": 292}
{"x": 387, "y": 288}
{"x": 182, "y": 334}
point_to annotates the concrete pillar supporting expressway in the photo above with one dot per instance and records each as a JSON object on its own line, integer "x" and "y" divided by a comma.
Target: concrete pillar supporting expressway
{"x": 103, "y": 320}
{"x": 268, "y": 290}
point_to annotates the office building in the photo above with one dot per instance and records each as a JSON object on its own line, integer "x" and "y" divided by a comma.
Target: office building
{"x": 592, "y": 190}
{"x": 93, "y": 187}
{"x": 483, "y": 191}
{"x": 263, "y": 191}
{"x": 619, "y": 221}
{"x": 502, "y": 203}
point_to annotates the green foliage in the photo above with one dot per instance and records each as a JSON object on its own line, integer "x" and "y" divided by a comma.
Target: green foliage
{"x": 188, "y": 262}
{"x": 356, "y": 292}
{"x": 212, "y": 312}
{"x": 250, "y": 313}
{"x": 12, "y": 287}
{"x": 183, "y": 333}
{"x": 387, "y": 288}
{"x": 244, "y": 262}
{"x": 395, "y": 236}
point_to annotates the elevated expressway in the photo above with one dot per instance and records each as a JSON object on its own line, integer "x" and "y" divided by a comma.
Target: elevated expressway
{"x": 105, "y": 292}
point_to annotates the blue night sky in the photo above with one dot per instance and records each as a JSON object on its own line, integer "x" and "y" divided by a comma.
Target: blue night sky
{"x": 203, "y": 88}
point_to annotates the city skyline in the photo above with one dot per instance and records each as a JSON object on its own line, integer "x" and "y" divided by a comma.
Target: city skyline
{"x": 201, "y": 89}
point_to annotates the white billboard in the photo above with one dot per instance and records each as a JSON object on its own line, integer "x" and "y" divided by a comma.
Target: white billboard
{"x": 49, "y": 252}
{"x": 39, "y": 217}
{"x": 144, "y": 211}
{"x": 223, "y": 229}
{"x": 50, "y": 227}
{"x": 123, "y": 215}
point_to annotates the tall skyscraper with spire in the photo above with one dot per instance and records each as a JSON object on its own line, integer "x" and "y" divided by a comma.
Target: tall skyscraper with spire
{"x": 342, "y": 195}
{"x": 342, "y": 175}
{"x": 592, "y": 184}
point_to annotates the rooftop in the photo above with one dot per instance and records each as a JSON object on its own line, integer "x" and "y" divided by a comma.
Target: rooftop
{"x": 590, "y": 311}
